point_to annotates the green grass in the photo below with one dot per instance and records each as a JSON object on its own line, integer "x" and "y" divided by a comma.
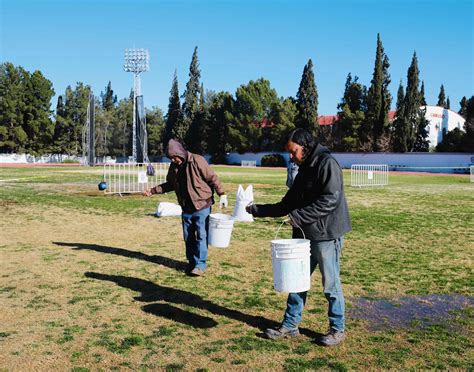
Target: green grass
{"x": 135, "y": 310}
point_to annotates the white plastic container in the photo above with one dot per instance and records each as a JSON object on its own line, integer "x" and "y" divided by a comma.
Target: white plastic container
{"x": 242, "y": 199}
{"x": 220, "y": 230}
{"x": 291, "y": 260}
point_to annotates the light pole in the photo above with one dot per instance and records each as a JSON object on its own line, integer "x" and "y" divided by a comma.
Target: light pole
{"x": 136, "y": 61}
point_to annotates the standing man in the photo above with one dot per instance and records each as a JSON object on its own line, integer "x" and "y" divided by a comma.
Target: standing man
{"x": 194, "y": 182}
{"x": 315, "y": 203}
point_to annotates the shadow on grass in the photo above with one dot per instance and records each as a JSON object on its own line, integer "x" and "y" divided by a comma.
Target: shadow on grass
{"x": 176, "y": 314}
{"x": 151, "y": 292}
{"x": 160, "y": 260}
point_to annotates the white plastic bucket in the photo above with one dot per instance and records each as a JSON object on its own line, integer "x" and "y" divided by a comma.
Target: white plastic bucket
{"x": 291, "y": 260}
{"x": 220, "y": 230}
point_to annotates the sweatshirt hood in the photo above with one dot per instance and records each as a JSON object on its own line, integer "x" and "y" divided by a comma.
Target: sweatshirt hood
{"x": 176, "y": 149}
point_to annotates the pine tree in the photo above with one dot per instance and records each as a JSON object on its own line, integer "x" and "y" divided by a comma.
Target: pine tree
{"x": 174, "y": 117}
{"x": 221, "y": 106}
{"x": 441, "y": 97}
{"x": 448, "y": 103}
{"x": 154, "y": 127}
{"x": 120, "y": 142}
{"x": 13, "y": 137}
{"x": 254, "y": 105}
{"x": 351, "y": 116}
{"x": 463, "y": 107}
{"x": 25, "y": 123}
{"x": 75, "y": 116}
{"x": 191, "y": 95}
{"x": 379, "y": 99}
{"x": 59, "y": 126}
{"x": 307, "y": 101}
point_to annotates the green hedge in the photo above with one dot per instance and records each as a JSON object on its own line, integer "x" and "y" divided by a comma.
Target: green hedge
{"x": 273, "y": 160}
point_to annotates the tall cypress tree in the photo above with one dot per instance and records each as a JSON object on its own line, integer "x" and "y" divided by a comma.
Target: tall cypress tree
{"x": 174, "y": 117}
{"x": 463, "y": 107}
{"x": 109, "y": 101}
{"x": 422, "y": 144}
{"x": 379, "y": 99}
{"x": 399, "y": 133}
{"x": 448, "y": 103}
{"x": 196, "y": 138}
{"x": 422, "y": 94}
{"x": 441, "y": 97}
{"x": 468, "y": 139}
{"x": 307, "y": 101}
{"x": 191, "y": 94}
{"x": 411, "y": 113}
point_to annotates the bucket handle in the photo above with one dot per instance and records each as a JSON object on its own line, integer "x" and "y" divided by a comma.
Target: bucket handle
{"x": 287, "y": 222}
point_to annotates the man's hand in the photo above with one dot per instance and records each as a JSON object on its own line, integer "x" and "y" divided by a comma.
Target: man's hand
{"x": 249, "y": 208}
{"x": 147, "y": 192}
{"x": 223, "y": 201}
{"x": 289, "y": 221}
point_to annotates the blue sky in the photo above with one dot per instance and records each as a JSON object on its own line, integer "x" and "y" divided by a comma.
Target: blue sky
{"x": 239, "y": 41}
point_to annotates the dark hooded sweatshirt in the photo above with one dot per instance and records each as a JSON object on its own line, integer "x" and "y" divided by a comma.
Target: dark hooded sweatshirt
{"x": 316, "y": 201}
{"x": 193, "y": 181}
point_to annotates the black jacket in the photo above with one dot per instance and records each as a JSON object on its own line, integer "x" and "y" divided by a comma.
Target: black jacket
{"x": 316, "y": 201}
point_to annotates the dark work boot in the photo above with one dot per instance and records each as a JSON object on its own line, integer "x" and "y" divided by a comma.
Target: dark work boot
{"x": 282, "y": 332}
{"x": 332, "y": 338}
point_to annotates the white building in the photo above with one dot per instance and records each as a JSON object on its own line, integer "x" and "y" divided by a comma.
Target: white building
{"x": 441, "y": 121}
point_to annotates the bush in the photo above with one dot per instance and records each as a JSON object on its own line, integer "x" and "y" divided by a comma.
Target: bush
{"x": 273, "y": 160}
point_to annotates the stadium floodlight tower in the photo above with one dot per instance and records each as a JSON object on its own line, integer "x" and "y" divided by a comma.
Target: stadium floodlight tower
{"x": 137, "y": 61}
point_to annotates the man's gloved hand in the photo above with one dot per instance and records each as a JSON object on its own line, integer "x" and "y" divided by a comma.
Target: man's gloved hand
{"x": 147, "y": 192}
{"x": 223, "y": 201}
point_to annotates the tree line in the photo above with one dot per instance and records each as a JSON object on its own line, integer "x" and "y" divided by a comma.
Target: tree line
{"x": 254, "y": 119}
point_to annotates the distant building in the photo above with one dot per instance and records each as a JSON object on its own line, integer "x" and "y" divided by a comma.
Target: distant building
{"x": 441, "y": 121}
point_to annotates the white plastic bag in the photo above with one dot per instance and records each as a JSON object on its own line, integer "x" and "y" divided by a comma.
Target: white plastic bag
{"x": 166, "y": 209}
{"x": 242, "y": 199}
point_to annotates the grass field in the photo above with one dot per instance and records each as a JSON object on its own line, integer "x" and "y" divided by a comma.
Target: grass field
{"x": 95, "y": 282}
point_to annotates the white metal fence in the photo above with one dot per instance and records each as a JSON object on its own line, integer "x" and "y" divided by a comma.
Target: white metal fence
{"x": 248, "y": 163}
{"x": 128, "y": 178}
{"x": 369, "y": 175}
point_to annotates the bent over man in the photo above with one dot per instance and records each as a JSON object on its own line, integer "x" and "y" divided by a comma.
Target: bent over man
{"x": 194, "y": 182}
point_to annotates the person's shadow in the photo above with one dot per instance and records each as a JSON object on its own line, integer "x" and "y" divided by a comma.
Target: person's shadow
{"x": 160, "y": 260}
{"x": 151, "y": 292}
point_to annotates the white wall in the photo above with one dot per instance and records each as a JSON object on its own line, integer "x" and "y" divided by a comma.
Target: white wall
{"x": 394, "y": 160}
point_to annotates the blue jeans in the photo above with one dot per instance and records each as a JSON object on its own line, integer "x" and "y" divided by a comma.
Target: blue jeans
{"x": 195, "y": 231}
{"x": 327, "y": 255}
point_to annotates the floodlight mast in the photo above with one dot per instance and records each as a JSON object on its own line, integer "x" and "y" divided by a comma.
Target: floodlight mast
{"x": 136, "y": 61}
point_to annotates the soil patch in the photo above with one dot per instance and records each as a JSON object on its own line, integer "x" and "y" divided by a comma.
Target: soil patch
{"x": 410, "y": 311}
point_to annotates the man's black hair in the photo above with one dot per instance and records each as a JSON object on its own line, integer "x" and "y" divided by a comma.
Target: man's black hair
{"x": 303, "y": 138}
